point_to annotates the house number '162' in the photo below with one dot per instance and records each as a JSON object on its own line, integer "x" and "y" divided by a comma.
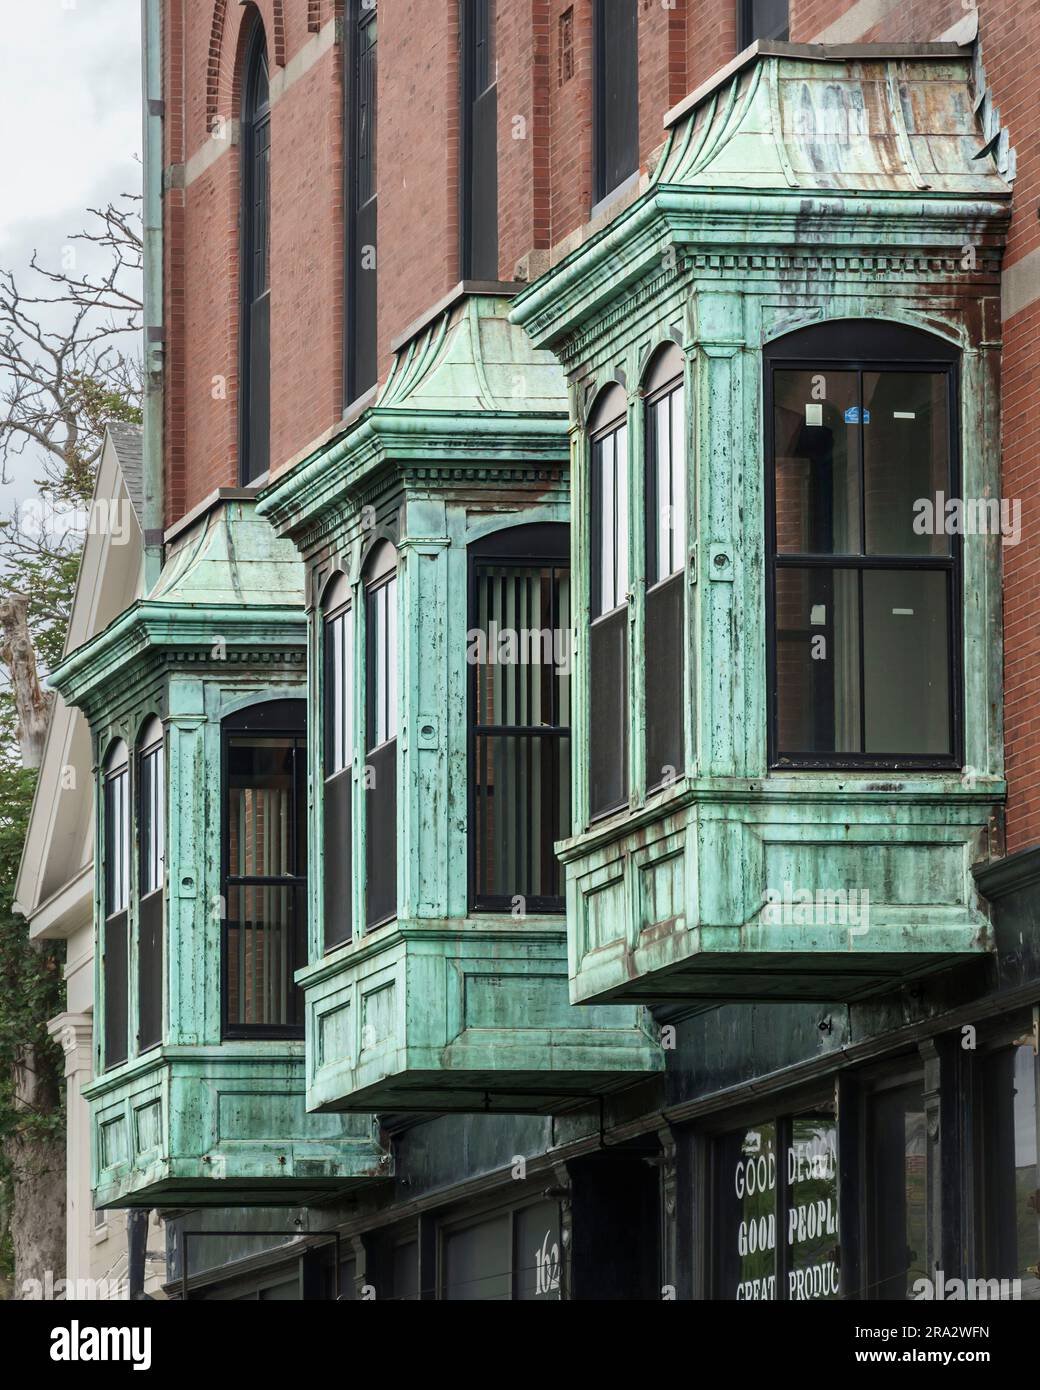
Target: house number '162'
{"x": 547, "y": 1267}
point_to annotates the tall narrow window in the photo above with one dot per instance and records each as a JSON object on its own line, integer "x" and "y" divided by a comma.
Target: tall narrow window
{"x": 151, "y": 833}
{"x": 255, "y": 326}
{"x": 865, "y": 579}
{"x": 665, "y": 567}
{"x": 479, "y": 142}
{"x": 761, "y": 19}
{"x": 116, "y": 944}
{"x": 616, "y": 94}
{"x": 265, "y": 865}
{"x": 361, "y": 355}
{"x": 608, "y": 610}
{"x": 519, "y": 652}
{"x": 337, "y": 831}
{"x": 381, "y": 735}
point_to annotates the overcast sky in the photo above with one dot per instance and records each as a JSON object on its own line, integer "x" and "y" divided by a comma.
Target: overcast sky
{"x": 70, "y": 122}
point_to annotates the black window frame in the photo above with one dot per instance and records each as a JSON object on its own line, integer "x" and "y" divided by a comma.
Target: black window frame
{"x": 361, "y": 207}
{"x": 254, "y": 396}
{"x": 151, "y": 882}
{"x": 115, "y": 956}
{"x": 602, "y": 621}
{"x": 995, "y": 1138}
{"x": 604, "y": 138}
{"x": 286, "y": 718}
{"x": 887, "y": 347}
{"x": 657, "y": 590}
{"x": 527, "y": 546}
{"x": 746, "y": 26}
{"x": 338, "y": 634}
{"x": 478, "y": 133}
{"x": 381, "y": 865}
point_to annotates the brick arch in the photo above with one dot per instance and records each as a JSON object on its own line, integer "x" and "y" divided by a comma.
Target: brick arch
{"x": 216, "y": 40}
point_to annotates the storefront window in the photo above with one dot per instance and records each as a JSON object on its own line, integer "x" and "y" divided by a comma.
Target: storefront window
{"x": 510, "y": 1255}
{"x": 1009, "y": 1183}
{"x": 776, "y": 1208}
{"x": 898, "y": 1172}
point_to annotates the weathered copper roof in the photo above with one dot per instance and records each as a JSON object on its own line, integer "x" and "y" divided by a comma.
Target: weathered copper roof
{"x": 840, "y": 119}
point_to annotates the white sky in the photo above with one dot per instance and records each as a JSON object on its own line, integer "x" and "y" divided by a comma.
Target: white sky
{"x": 70, "y": 124}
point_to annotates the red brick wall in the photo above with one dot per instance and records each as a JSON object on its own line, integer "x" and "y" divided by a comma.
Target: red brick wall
{"x": 545, "y": 193}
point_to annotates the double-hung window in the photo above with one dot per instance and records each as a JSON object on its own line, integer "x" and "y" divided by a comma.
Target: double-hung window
{"x": 520, "y": 658}
{"x": 608, "y": 605}
{"x": 664, "y": 640}
{"x": 381, "y": 656}
{"x": 151, "y": 833}
{"x": 338, "y": 675}
{"x": 265, "y": 865}
{"x": 865, "y": 577}
{"x": 116, "y": 895}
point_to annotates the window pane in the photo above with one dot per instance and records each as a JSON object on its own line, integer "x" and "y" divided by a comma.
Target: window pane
{"x": 817, "y": 661}
{"x": 816, "y": 446}
{"x": 337, "y": 860}
{"x": 151, "y": 829}
{"x": 617, "y": 103}
{"x": 906, "y": 460}
{"x": 608, "y": 713}
{"x": 117, "y": 847}
{"x": 339, "y": 692}
{"x": 149, "y": 971}
{"x": 381, "y": 645}
{"x": 477, "y": 1262}
{"x": 898, "y": 1217}
{"x": 116, "y": 965}
{"x": 381, "y": 833}
{"x": 664, "y": 682}
{"x": 260, "y": 806}
{"x": 666, "y": 488}
{"x": 768, "y": 20}
{"x": 812, "y": 1209}
{"x": 522, "y": 805}
{"x": 745, "y": 1211}
{"x": 266, "y": 927}
{"x": 906, "y": 661}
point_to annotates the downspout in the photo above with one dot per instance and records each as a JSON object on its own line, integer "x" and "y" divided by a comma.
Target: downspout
{"x": 154, "y": 331}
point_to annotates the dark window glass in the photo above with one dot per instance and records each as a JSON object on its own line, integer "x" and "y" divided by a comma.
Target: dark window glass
{"x": 151, "y": 833}
{"x": 477, "y": 1261}
{"x": 616, "y": 139}
{"x": 479, "y": 141}
{"x": 1009, "y": 1178}
{"x": 255, "y": 330}
{"x": 265, "y": 882}
{"x": 865, "y": 597}
{"x": 761, "y": 19}
{"x": 665, "y": 564}
{"x": 362, "y": 189}
{"x": 608, "y": 638}
{"x": 898, "y": 1178}
{"x": 539, "y": 1254}
{"x": 117, "y": 897}
{"x": 339, "y": 775}
{"x": 381, "y": 756}
{"x": 775, "y": 1214}
{"x": 520, "y": 655}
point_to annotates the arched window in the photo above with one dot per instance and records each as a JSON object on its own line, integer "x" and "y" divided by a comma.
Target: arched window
{"x": 115, "y": 945}
{"x": 381, "y": 718}
{"x": 864, "y": 587}
{"x": 608, "y": 603}
{"x": 664, "y": 643}
{"x": 520, "y": 661}
{"x": 151, "y": 839}
{"x": 338, "y": 771}
{"x": 265, "y": 868}
{"x": 255, "y": 309}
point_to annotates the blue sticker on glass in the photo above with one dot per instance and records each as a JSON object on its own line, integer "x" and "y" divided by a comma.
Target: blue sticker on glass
{"x": 852, "y": 416}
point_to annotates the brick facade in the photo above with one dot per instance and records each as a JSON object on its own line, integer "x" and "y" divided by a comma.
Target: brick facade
{"x": 545, "y": 117}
